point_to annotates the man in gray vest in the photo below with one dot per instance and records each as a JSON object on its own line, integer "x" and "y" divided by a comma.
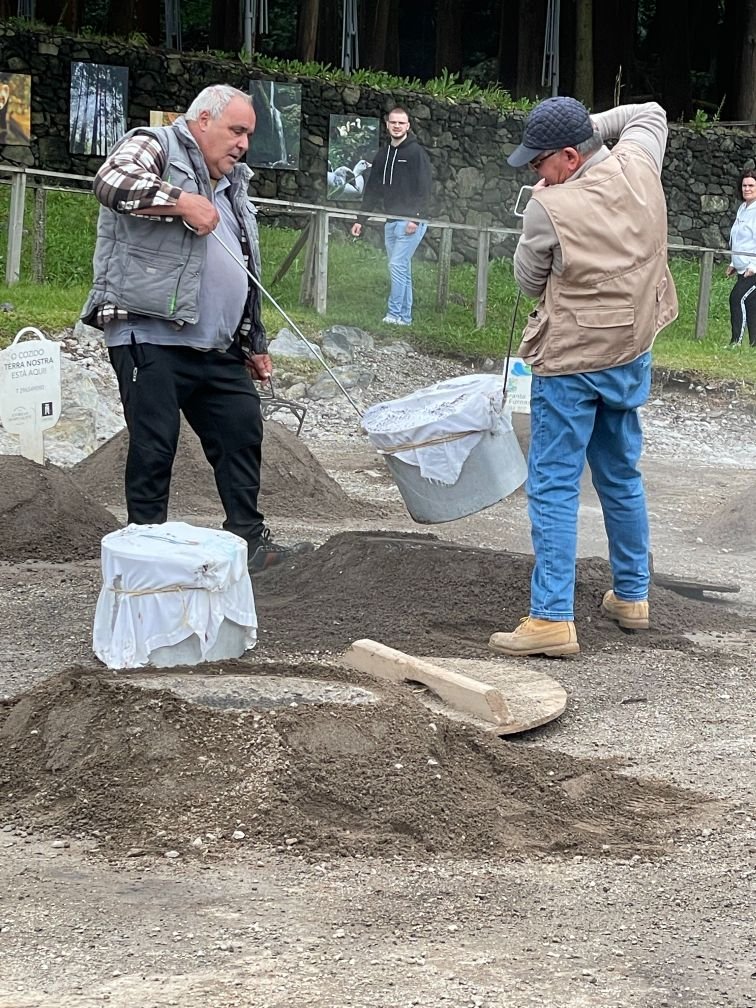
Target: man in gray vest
{"x": 181, "y": 320}
{"x": 593, "y": 252}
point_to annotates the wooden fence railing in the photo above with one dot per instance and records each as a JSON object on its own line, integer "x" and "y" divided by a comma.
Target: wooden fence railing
{"x": 314, "y": 287}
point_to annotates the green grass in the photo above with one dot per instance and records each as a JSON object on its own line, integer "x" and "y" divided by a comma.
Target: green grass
{"x": 357, "y": 295}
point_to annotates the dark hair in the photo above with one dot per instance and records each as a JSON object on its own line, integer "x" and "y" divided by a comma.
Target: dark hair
{"x": 397, "y": 108}
{"x": 746, "y": 173}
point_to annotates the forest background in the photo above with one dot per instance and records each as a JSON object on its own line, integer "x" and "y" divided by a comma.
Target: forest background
{"x": 696, "y": 57}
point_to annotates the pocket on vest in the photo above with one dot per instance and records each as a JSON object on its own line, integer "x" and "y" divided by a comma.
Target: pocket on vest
{"x": 604, "y": 330}
{"x": 181, "y": 174}
{"x": 533, "y": 336}
{"x": 666, "y": 304}
{"x": 151, "y": 281}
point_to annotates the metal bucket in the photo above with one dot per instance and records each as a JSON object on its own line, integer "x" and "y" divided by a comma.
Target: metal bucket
{"x": 493, "y": 470}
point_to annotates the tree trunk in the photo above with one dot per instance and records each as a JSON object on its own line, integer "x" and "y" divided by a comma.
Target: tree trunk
{"x": 66, "y": 13}
{"x": 329, "y": 32}
{"x": 382, "y": 42}
{"x": 584, "y": 52}
{"x": 128, "y": 16}
{"x": 449, "y": 35}
{"x": 746, "y": 103}
{"x": 727, "y": 59}
{"x": 669, "y": 35}
{"x": 531, "y": 28}
{"x": 307, "y": 30}
{"x": 226, "y": 26}
{"x": 615, "y": 24}
{"x": 506, "y": 52}
{"x": 378, "y": 34}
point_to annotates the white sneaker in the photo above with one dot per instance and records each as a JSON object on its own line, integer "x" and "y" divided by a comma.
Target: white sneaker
{"x": 392, "y": 320}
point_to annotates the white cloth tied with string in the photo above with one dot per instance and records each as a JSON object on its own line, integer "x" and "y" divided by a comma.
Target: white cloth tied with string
{"x": 163, "y": 583}
{"x": 437, "y": 427}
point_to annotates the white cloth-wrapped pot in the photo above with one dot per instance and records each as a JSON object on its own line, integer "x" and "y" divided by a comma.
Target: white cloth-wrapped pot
{"x": 171, "y": 583}
{"x": 436, "y": 428}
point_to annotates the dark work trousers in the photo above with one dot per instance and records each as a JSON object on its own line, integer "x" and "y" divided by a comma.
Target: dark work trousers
{"x": 743, "y": 309}
{"x": 220, "y": 402}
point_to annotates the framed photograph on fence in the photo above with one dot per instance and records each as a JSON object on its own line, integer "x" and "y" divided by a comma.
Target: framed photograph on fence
{"x": 15, "y": 109}
{"x": 159, "y": 117}
{"x": 278, "y": 115}
{"x": 98, "y": 107}
{"x": 352, "y": 143}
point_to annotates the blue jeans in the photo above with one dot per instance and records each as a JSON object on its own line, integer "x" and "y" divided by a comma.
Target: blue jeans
{"x": 400, "y": 247}
{"x": 574, "y": 418}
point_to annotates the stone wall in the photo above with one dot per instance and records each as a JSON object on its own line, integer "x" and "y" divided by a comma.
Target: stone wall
{"x": 467, "y": 143}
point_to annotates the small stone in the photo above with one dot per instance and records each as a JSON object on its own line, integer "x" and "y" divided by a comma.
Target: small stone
{"x": 237, "y": 834}
{"x": 172, "y": 854}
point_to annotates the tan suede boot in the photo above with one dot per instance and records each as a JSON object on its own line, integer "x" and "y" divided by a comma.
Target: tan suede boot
{"x": 631, "y": 615}
{"x": 536, "y": 636}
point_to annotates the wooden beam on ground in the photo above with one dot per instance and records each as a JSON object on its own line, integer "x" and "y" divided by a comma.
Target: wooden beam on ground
{"x": 459, "y": 691}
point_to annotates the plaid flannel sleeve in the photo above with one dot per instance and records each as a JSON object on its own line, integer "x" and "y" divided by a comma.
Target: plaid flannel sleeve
{"x": 130, "y": 179}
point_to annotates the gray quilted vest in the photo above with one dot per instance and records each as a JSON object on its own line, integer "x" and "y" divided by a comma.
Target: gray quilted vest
{"x": 153, "y": 267}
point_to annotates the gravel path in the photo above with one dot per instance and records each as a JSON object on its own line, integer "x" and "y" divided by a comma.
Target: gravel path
{"x": 82, "y": 924}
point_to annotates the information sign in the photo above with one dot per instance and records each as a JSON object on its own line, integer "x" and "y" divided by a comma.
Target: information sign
{"x": 30, "y": 390}
{"x": 518, "y": 385}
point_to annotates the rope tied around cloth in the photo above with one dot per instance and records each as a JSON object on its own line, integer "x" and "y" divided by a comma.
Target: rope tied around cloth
{"x": 159, "y": 591}
{"x": 424, "y": 444}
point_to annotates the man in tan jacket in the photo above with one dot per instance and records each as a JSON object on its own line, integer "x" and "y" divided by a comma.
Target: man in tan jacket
{"x": 594, "y": 252}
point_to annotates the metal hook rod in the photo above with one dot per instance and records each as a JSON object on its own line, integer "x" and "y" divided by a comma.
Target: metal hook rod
{"x": 310, "y": 346}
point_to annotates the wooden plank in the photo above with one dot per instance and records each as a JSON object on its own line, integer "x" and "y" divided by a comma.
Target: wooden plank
{"x": 444, "y": 268}
{"x": 321, "y": 262}
{"x": 307, "y": 284}
{"x": 533, "y": 698}
{"x": 286, "y": 265}
{"x": 40, "y": 230}
{"x": 459, "y": 691}
{"x": 15, "y": 228}
{"x": 704, "y": 294}
{"x": 481, "y": 278}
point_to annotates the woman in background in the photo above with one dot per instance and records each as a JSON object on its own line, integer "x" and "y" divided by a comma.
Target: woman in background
{"x": 743, "y": 242}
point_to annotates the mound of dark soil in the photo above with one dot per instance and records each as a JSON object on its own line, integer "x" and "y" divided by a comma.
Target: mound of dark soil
{"x": 734, "y": 524}
{"x": 293, "y": 482}
{"x": 429, "y": 597}
{"x": 88, "y": 754}
{"x": 45, "y": 516}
